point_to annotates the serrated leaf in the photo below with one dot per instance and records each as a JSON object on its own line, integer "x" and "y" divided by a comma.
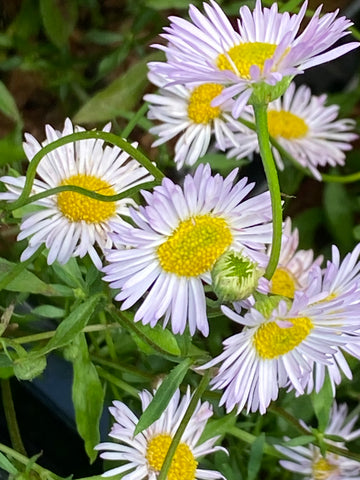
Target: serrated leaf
{"x": 25, "y": 281}
{"x": 88, "y": 397}
{"x": 71, "y": 326}
{"x": 256, "y": 454}
{"x": 163, "y": 396}
{"x": 6, "y": 465}
{"x": 59, "y": 18}
{"x": 122, "y": 94}
{"x": 322, "y": 403}
{"x": 7, "y": 104}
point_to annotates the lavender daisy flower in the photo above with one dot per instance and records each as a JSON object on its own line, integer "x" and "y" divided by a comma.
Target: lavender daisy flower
{"x": 266, "y": 49}
{"x": 176, "y": 241}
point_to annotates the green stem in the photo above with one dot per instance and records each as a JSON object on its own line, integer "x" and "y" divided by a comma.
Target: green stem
{"x": 83, "y": 191}
{"x": 262, "y": 131}
{"x": 351, "y": 178}
{"x": 10, "y": 416}
{"x": 134, "y": 121}
{"x": 20, "y": 267}
{"x": 180, "y": 431}
{"x": 100, "y": 135}
{"x": 122, "y": 368}
{"x": 44, "y": 474}
{"x": 247, "y": 437}
{"x": 118, "y": 382}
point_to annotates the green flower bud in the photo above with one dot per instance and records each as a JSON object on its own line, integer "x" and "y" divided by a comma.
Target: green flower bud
{"x": 263, "y": 93}
{"x": 234, "y": 276}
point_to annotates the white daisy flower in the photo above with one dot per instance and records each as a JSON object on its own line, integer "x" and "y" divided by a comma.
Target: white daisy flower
{"x": 144, "y": 453}
{"x": 278, "y": 348}
{"x": 307, "y": 129}
{"x": 294, "y": 265}
{"x": 308, "y": 460}
{"x": 177, "y": 239}
{"x": 265, "y": 49}
{"x": 187, "y": 112}
{"x": 338, "y": 284}
{"x": 71, "y": 224}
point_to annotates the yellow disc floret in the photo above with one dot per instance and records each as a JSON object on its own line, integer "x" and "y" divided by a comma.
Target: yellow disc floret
{"x": 183, "y": 465}
{"x": 77, "y": 207}
{"x": 272, "y": 341}
{"x": 195, "y": 245}
{"x": 240, "y": 58}
{"x": 199, "y": 108}
{"x": 286, "y": 125}
{"x": 322, "y": 469}
{"x": 283, "y": 283}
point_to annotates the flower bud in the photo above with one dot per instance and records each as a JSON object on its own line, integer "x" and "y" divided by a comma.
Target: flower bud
{"x": 234, "y": 276}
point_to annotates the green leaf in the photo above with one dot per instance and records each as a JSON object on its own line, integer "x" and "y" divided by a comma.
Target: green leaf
{"x": 6, "y": 367}
{"x": 6, "y": 465}
{"x": 88, "y": 397}
{"x": 8, "y": 105}
{"x": 298, "y": 441}
{"x": 73, "y": 324}
{"x": 322, "y": 403}
{"x": 339, "y": 214}
{"x": 25, "y": 281}
{"x": 69, "y": 273}
{"x": 49, "y": 311}
{"x": 59, "y": 18}
{"x": 122, "y": 94}
{"x": 163, "y": 396}
{"x": 10, "y": 151}
{"x": 219, "y": 426}
{"x": 256, "y": 454}
{"x": 156, "y": 335}
{"x": 30, "y": 366}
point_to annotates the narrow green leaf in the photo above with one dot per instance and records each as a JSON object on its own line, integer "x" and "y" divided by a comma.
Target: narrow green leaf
{"x": 59, "y": 19}
{"x": 163, "y": 396}
{"x": 25, "y": 281}
{"x": 88, "y": 397}
{"x": 6, "y": 465}
{"x": 256, "y": 454}
{"x": 73, "y": 324}
{"x": 322, "y": 403}
{"x": 301, "y": 440}
{"x": 8, "y": 105}
{"x": 122, "y": 94}
{"x": 159, "y": 336}
{"x": 49, "y": 311}
{"x": 219, "y": 426}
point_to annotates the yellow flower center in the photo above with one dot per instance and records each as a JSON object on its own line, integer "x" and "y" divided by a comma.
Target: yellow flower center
{"x": 283, "y": 283}
{"x": 240, "y": 58}
{"x": 183, "y": 465}
{"x": 77, "y": 207}
{"x": 322, "y": 469}
{"x": 272, "y": 341}
{"x": 195, "y": 245}
{"x": 286, "y": 124}
{"x": 200, "y": 109}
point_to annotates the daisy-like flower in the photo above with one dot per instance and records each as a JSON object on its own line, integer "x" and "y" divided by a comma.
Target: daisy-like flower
{"x": 309, "y": 462}
{"x": 266, "y": 49}
{"x": 71, "y": 224}
{"x": 279, "y": 346}
{"x": 294, "y": 265}
{"x": 187, "y": 112}
{"x": 144, "y": 454}
{"x": 338, "y": 283}
{"x": 307, "y": 129}
{"x": 177, "y": 239}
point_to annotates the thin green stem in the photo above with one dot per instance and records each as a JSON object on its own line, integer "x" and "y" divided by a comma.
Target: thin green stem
{"x": 20, "y": 458}
{"x": 122, "y": 368}
{"x": 351, "y": 178}
{"x": 10, "y": 416}
{"x": 118, "y": 382}
{"x": 249, "y": 438}
{"x": 100, "y": 135}
{"x": 134, "y": 120}
{"x": 180, "y": 431}
{"x": 20, "y": 267}
{"x": 273, "y": 184}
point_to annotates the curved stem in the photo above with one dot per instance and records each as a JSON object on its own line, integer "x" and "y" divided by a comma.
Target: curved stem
{"x": 10, "y": 416}
{"x": 100, "y": 135}
{"x": 273, "y": 183}
{"x": 179, "y": 432}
